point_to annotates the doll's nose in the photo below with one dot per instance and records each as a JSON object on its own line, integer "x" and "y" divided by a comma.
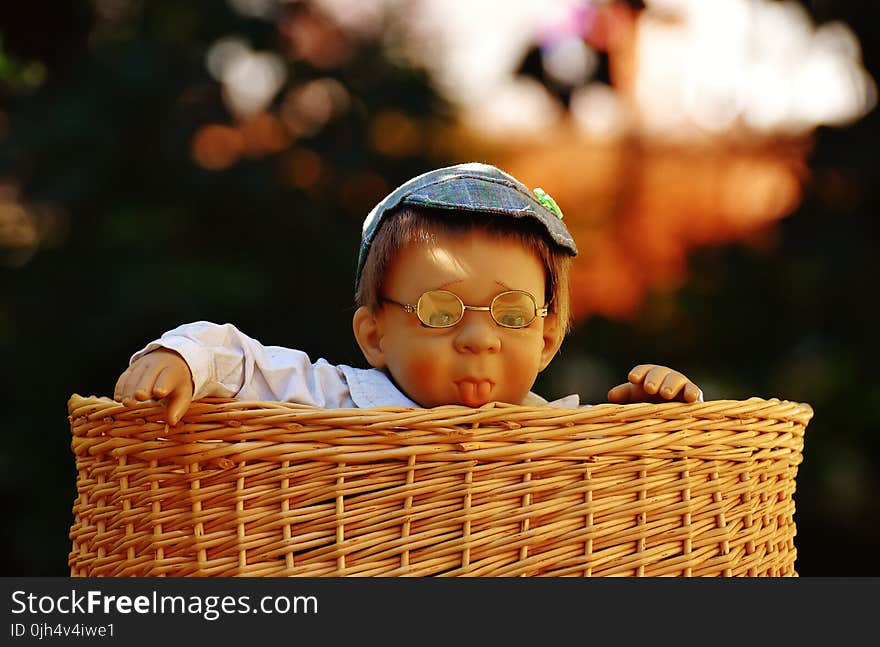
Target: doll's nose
{"x": 477, "y": 333}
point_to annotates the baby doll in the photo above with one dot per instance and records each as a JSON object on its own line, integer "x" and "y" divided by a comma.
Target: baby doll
{"x": 462, "y": 288}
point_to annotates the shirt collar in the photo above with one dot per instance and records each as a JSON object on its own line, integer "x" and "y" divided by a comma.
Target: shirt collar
{"x": 373, "y": 388}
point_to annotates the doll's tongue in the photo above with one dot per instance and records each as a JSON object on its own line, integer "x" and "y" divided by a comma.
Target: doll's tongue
{"x": 474, "y": 393}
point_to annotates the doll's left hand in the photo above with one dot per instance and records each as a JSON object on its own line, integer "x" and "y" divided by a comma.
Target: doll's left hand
{"x": 653, "y": 383}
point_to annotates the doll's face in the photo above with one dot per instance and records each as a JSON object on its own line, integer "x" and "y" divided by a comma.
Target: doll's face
{"x": 475, "y": 361}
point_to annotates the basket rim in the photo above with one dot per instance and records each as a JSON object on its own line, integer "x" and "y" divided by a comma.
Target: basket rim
{"x": 757, "y": 407}
{"x": 223, "y": 428}
{"x": 753, "y": 403}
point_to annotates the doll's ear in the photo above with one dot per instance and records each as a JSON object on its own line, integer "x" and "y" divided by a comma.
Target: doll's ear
{"x": 368, "y": 333}
{"x": 554, "y": 332}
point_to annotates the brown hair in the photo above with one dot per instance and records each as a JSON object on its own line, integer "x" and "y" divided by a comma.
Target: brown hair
{"x": 411, "y": 224}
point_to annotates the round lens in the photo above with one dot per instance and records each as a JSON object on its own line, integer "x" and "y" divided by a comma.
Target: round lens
{"x": 439, "y": 309}
{"x": 513, "y": 309}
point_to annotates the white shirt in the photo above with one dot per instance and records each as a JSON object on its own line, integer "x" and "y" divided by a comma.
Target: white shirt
{"x": 227, "y": 363}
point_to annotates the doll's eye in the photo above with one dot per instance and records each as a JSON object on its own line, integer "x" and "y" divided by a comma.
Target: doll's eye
{"x": 513, "y": 309}
{"x": 512, "y": 318}
{"x": 439, "y": 309}
{"x": 440, "y": 319}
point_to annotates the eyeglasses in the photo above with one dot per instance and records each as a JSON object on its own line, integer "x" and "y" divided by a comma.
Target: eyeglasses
{"x": 443, "y": 309}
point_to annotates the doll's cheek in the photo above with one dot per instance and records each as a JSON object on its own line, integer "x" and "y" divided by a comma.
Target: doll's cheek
{"x": 421, "y": 371}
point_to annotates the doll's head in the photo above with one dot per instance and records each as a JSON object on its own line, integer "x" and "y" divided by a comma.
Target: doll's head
{"x": 416, "y": 225}
{"x": 463, "y": 286}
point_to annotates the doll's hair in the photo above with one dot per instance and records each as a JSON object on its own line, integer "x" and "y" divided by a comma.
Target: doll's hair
{"x": 410, "y": 224}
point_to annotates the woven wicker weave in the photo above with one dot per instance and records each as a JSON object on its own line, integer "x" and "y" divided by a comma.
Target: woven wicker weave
{"x": 270, "y": 489}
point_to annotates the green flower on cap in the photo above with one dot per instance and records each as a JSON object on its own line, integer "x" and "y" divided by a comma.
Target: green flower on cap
{"x": 545, "y": 199}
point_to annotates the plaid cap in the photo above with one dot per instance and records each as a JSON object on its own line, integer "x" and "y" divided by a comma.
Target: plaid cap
{"x": 470, "y": 187}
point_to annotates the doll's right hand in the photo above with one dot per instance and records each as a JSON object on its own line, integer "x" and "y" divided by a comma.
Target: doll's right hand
{"x": 159, "y": 375}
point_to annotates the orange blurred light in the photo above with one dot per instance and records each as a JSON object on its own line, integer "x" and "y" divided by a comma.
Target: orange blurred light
{"x": 26, "y": 227}
{"x": 216, "y": 147}
{"x": 306, "y": 108}
{"x": 395, "y": 134}
{"x": 638, "y": 209}
{"x": 608, "y": 282}
{"x": 263, "y": 134}
{"x": 304, "y": 168}
{"x": 312, "y": 37}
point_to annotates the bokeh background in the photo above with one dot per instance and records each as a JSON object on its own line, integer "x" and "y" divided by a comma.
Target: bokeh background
{"x": 164, "y": 162}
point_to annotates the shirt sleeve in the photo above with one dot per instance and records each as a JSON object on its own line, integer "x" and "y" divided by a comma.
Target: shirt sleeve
{"x": 225, "y": 362}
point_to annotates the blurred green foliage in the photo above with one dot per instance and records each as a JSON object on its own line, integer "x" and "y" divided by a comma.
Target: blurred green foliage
{"x": 138, "y": 239}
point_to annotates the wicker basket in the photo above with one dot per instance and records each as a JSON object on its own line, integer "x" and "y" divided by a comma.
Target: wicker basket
{"x": 269, "y": 489}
